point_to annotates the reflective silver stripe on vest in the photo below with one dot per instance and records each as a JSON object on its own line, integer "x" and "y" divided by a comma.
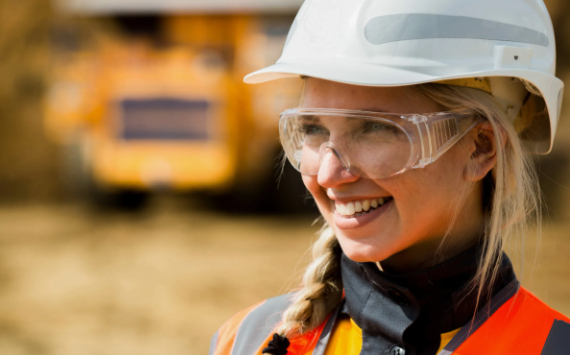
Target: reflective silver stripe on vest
{"x": 394, "y": 28}
{"x": 213, "y": 343}
{"x": 327, "y": 332}
{"x": 258, "y": 325}
{"x": 558, "y": 340}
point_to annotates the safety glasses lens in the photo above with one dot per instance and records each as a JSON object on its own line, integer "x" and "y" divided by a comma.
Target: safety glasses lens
{"x": 368, "y": 147}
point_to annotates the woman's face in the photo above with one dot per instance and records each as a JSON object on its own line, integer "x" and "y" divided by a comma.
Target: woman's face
{"x": 406, "y": 231}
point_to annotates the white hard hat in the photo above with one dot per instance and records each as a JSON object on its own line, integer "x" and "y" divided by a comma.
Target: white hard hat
{"x": 507, "y": 43}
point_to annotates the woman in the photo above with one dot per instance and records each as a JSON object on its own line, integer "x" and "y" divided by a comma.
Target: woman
{"x": 413, "y": 137}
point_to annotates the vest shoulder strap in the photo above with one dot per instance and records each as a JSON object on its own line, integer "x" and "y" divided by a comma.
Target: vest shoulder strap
{"x": 522, "y": 325}
{"x": 246, "y": 331}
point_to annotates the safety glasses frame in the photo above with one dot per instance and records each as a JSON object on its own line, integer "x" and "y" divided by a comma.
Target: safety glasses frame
{"x": 430, "y": 135}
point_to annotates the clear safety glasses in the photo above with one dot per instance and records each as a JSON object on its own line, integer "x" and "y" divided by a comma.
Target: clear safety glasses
{"x": 370, "y": 144}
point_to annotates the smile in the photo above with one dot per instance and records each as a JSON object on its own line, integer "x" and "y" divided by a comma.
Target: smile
{"x": 361, "y": 207}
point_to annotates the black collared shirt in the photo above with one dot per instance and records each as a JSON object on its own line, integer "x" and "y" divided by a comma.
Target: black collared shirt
{"x": 410, "y": 312}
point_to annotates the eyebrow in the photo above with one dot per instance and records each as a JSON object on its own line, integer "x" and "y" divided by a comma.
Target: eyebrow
{"x": 315, "y": 119}
{"x": 374, "y": 110}
{"x": 311, "y": 118}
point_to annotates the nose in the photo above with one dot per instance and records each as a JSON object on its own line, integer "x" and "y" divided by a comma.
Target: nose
{"x": 333, "y": 169}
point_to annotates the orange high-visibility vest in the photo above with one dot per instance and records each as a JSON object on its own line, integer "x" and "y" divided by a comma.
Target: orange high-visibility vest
{"x": 518, "y": 324}
{"x": 522, "y": 325}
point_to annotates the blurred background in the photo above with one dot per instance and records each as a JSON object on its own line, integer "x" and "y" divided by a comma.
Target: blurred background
{"x": 127, "y": 228}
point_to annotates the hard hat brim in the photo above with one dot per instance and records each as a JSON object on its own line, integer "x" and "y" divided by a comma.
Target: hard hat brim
{"x": 361, "y": 74}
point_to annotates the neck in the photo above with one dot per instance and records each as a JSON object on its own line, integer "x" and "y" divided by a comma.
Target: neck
{"x": 465, "y": 232}
{"x": 425, "y": 255}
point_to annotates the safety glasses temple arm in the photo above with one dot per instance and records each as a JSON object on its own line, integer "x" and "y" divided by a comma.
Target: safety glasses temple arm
{"x": 436, "y": 134}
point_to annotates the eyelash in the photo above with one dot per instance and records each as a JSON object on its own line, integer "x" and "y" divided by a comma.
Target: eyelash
{"x": 367, "y": 127}
{"x": 309, "y": 129}
{"x": 306, "y": 128}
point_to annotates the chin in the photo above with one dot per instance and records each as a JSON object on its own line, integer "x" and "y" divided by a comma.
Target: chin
{"x": 370, "y": 244}
{"x": 362, "y": 252}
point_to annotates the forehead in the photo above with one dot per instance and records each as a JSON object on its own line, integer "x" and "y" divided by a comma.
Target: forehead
{"x": 329, "y": 94}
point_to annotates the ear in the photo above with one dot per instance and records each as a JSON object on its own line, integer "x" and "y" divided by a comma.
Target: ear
{"x": 483, "y": 149}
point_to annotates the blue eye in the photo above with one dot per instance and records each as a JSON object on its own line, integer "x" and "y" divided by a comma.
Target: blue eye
{"x": 371, "y": 127}
{"x": 312, "y": 129}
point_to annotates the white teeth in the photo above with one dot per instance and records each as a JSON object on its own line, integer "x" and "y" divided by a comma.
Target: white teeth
{"x": 374, "y": 203}
{"x": 349, "y": 209}
{"x": 363, "y": 206}
{"x": 357, "y": 207}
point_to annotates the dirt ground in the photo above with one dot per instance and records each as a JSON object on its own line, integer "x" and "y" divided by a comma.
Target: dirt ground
{"x": 162, "y": 281}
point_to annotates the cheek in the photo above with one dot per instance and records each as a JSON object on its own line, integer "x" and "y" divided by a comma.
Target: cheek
{"x": 317, "y": 192}
{"x": 310, "y": 183}
{"x": 425, "y": 198}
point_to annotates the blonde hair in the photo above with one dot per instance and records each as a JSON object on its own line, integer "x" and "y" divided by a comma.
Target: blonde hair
{"x": 510, "y": 199}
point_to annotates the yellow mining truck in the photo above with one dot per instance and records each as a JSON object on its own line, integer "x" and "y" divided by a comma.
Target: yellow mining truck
{"x": 159, "y": 103}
